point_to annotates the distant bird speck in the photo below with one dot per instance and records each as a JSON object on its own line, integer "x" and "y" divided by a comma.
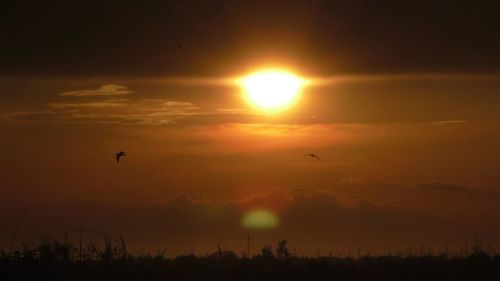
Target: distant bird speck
{"x": 179, "y": 45}
{"x": 313, "y": 156}
{"x": 119, "y": 155}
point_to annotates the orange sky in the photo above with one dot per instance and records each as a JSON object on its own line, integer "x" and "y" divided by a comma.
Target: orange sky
{"x": 419, "y": 150}
{"x": 404, "y": 112}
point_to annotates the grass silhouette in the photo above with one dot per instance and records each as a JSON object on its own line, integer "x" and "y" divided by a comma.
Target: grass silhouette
{"x": 55, "y": 260}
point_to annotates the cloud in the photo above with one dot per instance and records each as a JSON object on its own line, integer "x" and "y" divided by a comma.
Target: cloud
{"x": 184, "y": 222}
{"x": 450, "y": 122}
{"x": 232, "y": 110}
{"x": 178, "y": 104}
{"x": 104, "y": 103}
{"x": 435, "y": 185}
{"x": 299, "y": 191}
{"x": 474, "y": 46}
{"x": 164, "y": 105}
{"x": 352, "y": 180}
{"x": 152, "y": 112}
{"x": 105, "y": 90}
{"x": 102, "y": 108}
{"x": 33, "y": 116}
{"x": 153, "y": 119}
{"x": 445, "y": 186}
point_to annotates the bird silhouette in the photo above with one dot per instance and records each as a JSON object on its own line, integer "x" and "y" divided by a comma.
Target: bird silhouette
{"x": 313, "y": 156}
{"x": 179, "y": 45}
{"x": 119, "y": 155}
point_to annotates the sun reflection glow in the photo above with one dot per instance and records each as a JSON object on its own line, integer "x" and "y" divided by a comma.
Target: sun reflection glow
{"x": 260, "y": 219}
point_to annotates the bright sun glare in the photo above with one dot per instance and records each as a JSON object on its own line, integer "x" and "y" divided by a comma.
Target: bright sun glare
{"x": 272, "y": 90}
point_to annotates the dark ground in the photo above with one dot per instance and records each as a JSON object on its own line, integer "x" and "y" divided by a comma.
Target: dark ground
{"x": 53, "y": 260}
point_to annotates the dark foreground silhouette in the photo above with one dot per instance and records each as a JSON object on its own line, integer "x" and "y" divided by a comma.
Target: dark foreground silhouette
{"x": 53, "y": 260}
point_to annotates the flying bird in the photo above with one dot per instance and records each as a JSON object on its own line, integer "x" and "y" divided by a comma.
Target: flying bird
{"x": 119, "y": 155}
{"x": 313, "y": 156}
{"x": 182, "y": 48}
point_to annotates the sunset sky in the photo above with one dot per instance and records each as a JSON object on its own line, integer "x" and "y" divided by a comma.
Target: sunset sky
{"x": 401, "y": 101}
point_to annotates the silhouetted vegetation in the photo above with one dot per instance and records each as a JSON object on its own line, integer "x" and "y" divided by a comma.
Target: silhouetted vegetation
{"x": 55, "y": 260}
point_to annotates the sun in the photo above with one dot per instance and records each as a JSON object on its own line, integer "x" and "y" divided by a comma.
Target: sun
{"x": 272, "y": 90}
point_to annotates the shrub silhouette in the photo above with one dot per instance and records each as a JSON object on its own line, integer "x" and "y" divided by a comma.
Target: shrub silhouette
{"x": 267, "y": 252}
{"x": 54, "y": 251}
{"x": 282, "y": 250}
{"x": 54, "y": 260}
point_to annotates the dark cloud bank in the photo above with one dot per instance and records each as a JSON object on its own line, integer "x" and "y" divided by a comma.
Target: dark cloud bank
{"x": 93, "y": 38}
{"x": 311, "y": 222}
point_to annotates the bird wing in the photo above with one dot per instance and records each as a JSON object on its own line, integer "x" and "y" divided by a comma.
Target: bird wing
{"x": 117, "y": 157}
{"x": 313, "y": 155}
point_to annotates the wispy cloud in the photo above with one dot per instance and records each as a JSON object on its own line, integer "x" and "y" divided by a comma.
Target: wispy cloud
{"x": 352, "y": 180}
{"x": 101, "y": 109}
{"x": 450, "y": 122}
{"x": 231, "y": 110}
{"x": 445, "y": 186}
{"x": 177, "y": 103}
{"x": 105, "y": 90}
{"x": 32, "y": 116}
{"x": 104, "y": 103}
{"x": 122, "y": 119}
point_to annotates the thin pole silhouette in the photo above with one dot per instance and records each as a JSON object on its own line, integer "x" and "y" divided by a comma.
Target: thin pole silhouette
{"x": 248, "y": 244}
{"x": 18, "y": 226}
{"x": 218, "y": 246}
{"x": 81, "y": 244}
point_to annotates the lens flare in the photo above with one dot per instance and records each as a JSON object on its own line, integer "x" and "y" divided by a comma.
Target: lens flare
{"x": 260, "y": 219}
